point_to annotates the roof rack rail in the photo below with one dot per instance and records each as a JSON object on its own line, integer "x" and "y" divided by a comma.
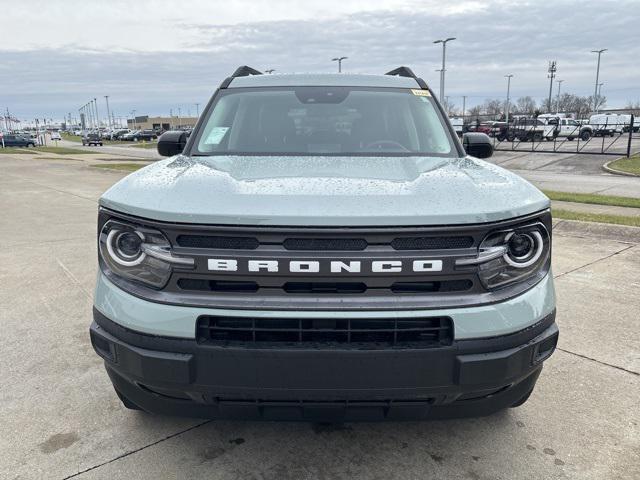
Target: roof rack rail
{"x": 407, "y": 72}
{"x": 243, "y": 71}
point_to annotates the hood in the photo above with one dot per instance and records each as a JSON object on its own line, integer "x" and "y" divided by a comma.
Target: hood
{"x": 324, "y": 191}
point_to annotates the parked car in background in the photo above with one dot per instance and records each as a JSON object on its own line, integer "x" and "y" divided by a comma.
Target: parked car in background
{"x": 92, "y": 138}
{"x": 138, "y": 135}
{"x": 13, "y": 140}
{"x": 457, "y": 123}
{"x": 55, "y": 136}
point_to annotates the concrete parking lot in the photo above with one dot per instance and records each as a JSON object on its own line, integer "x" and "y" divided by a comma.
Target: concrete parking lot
{"x": 61, "y": 419}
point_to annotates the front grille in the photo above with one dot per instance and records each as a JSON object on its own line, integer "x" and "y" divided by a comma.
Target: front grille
{"x": 325, "y": 244}
{"x": 431, "y": 243}
{"x": 327, "y": 332}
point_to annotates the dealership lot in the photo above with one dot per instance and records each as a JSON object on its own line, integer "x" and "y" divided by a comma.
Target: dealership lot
{"x": 62, "y": 419}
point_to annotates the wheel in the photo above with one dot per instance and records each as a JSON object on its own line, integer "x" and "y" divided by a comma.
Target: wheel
{"x": 135, "y": 139}
{"x": 584, "y": 136}
{"x": 537, "y": 137}
{"x": 511, "y": 137}
{"x": 570, "y": 139}
{"x": 126, "y": 402}
{"x": 523, "y": 400}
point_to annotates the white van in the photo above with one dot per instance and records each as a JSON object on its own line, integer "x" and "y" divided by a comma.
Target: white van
{"x": 607, "y": 124}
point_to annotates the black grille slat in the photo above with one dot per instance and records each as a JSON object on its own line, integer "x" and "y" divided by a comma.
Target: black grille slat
{"x": 404, "y": 333}
{"x": 221, "y": 242}
{"x": 203, "y": 285}
{"x": 325, "y": 244}
{"x": 431, "y": 243}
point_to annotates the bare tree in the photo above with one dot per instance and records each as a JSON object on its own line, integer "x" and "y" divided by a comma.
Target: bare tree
{"x": 633, "y": 107}
{"x": 525, "y": 105}
{"x": 493, "y": 106}
{"x": 449, "y": 106}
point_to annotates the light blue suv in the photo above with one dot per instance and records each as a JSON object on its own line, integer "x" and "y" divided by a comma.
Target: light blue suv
{"x": 324, "y": 248}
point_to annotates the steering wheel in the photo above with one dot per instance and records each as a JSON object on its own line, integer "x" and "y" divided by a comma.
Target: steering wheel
{"x": 379, "y": 144}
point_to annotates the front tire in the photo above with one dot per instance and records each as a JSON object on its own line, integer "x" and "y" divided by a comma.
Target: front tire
{"x": 584, "y": 136}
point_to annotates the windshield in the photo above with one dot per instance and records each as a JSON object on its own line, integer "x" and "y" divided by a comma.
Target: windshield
{"x": 324, "y": 121}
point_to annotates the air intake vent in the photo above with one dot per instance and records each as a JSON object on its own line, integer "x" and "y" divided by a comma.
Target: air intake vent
{"x": 207, "y": 241}
{"x": 326, "y": 332}
{"x": 322, "y": 244}
{"x": 431, "y": 243}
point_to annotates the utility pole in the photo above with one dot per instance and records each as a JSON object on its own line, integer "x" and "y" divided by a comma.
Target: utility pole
{"x": 464, "y": 104}
{"x": 95, "y": 103}
{"x": 558, "y": 98}
{"x": 595, "y": 93}
{"x": 106, "y": 97}
{"x": 339, "y": 60}
{"x": 442, "y": 72}
{"x": 508, "y": 77}
{"x": 197, "y": 110}
{"x": 552, "y": 73}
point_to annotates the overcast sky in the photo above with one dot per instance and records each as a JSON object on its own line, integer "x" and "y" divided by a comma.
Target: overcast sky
{"x": 153, "y": 56}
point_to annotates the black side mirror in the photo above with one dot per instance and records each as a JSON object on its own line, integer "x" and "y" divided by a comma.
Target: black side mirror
{"x": 172, "y": 143}
{"x": 477, "y": 145}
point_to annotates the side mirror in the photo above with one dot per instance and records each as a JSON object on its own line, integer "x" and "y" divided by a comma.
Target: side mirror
{"x": 477, "y": 145}
{"x": 172, "y": 143}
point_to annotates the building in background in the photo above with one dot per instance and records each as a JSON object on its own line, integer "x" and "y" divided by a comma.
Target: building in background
{"x": 146, "y": 122}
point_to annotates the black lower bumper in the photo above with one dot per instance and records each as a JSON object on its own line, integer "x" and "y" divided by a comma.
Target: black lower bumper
{"x": 181, "y": 377}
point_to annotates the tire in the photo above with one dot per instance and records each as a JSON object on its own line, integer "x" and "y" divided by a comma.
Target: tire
{"x": 570, "y": 139}
{"x": 126, "y": 402}
{"x": 584, "y": 136}
{"x": 523, "y": 400}
{"x": 511, "y": 137}
{"x": 537, "y": 137}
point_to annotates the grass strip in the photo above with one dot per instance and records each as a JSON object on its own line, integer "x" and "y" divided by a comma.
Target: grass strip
{"x": 127, "y": 167}
{"x": 628, "y": 165}
{"x": 12, "y": 150}
{"x": 593, "y": 199}
{"x": 596, "y": 217}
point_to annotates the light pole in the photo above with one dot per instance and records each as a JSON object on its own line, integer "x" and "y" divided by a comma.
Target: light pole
{"x": 339, "y": 60}
{"x": 552, "y": 73}
{"x": 197, "y": 110}
{"x": 270, "y": 70}
{"x": 595, "y": 93}
{"x": 600, "y": 91}
{"x": 106, "y": 97}
{"x": 95, "y": 103}
{"x": 444, "y": 51}
{"x": 508, "y": 77}
{"x": 558, "y": 97}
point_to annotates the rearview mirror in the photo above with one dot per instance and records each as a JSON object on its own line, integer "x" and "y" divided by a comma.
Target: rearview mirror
{"x": 477, "y": 145}
{"x": 172, "y": 143}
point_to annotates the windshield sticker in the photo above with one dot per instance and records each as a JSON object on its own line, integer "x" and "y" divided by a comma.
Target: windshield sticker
{"x": 216, "y": 135}
{"x": 421, "y": 93}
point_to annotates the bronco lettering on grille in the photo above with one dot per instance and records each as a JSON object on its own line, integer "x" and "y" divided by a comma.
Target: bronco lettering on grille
{"x": 316, "y": 266}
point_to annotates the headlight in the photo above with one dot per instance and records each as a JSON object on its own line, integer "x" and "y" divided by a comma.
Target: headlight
{"x": 512, "y": 255}
{"x": 138, "y": 253}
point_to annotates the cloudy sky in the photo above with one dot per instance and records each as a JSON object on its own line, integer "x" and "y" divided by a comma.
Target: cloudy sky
{"x": 153, "y": 56}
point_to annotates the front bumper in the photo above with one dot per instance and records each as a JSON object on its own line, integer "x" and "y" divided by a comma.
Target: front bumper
{"x": 181, "y": 377}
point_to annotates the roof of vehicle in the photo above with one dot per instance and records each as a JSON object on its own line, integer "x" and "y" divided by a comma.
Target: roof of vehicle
{"x": 324, "y": 79}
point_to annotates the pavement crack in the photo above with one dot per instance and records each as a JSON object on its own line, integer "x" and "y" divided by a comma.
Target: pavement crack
{"x": 594, "y": 262}
{"x": 131, "y": 452}
{"x": 600, "y": 362}
{"x": 74, "y": 279}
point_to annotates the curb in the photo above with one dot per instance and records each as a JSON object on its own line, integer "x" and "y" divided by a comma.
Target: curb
{"x": 608, "y": 169}
{"x": 622, "y": 233}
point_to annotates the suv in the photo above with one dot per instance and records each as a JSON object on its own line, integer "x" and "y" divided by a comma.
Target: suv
{"x": 324, "y": 248}
{"x": 15, "y": 140}
{"x": 92, "y": 138}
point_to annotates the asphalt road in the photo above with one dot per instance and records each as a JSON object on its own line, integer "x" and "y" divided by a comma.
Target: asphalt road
{"x": 61, "y": 419}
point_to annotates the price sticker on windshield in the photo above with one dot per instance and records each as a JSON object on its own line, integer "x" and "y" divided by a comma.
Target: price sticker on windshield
{"x": 421, "y": 93}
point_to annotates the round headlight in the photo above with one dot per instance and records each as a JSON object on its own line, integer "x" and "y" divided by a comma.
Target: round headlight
{"x": 125, "y": 247}
{"x": 523, "y": 249}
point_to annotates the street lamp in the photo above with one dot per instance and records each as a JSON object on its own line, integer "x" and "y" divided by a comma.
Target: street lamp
{"x": 595, "y": 93}
{"x": 508, "y": 77}
{"x": 444, "y": 50}
{"x": 339, "y": 60}
{"x": 558, "y": 97}
{"x": 106, "y": 97}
